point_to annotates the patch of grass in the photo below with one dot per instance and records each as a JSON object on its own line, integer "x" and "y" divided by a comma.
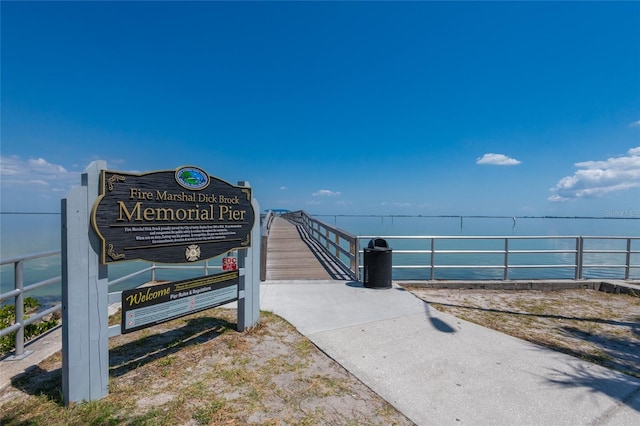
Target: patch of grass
{"x": 166, "y": 361}
{"x": 303, "y": 347}
{"x": 206, "y": 415}
{"x": 326, "y": 386}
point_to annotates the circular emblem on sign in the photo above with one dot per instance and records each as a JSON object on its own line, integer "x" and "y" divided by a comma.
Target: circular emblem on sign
{"x": 192, "y": 253}
{"x": 192, "y": 178}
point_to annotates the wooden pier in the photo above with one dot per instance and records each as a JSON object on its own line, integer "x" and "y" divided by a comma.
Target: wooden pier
{"x": 292, "y": 255}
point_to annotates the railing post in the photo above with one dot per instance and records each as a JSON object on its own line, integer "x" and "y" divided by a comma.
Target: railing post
{"x": 433, "y": 260}
{"x": 326, "y": 239}
{"x": 153, "y": 272}
{"x": 19, "y": 301}
{"x": 354, "y": 253}
{"x": 356, "y": 258}
{"x": 579, "y": 257}
{"x": 506, "y": 259}
{"x": 627, "y": 271}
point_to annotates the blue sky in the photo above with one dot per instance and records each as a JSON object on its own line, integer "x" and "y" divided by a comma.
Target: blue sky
{"x": 462, "y": 108}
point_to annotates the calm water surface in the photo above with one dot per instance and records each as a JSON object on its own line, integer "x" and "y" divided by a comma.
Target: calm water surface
{"x": 22, "y": 234}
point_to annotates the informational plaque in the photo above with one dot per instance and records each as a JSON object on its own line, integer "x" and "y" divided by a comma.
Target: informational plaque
{"x": 173, "y": 216}
{"x": 150, "y": 305}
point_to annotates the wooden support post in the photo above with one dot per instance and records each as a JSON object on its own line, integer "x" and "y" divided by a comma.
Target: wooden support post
{"x": 85, "y": 350}
{"x": 249, "y": 264}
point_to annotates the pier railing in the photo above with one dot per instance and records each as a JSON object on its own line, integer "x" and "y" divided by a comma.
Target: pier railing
{"x": 425, "y": 255}
{"x": 498, "y": 257}
{"x": 266, "y": 222}
{"x": 340, "y": 245}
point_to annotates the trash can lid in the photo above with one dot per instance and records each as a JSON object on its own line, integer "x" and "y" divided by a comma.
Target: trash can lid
{"x": 378, "y": 243}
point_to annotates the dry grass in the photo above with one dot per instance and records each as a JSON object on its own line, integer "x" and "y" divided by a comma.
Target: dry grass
{"x": 198, "y": 370}
{"x": 592, "y": 325}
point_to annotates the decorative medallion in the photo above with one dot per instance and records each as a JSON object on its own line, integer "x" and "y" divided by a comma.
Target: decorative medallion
{"x": 192, "y": 253}
{"x": 192, "y": 178}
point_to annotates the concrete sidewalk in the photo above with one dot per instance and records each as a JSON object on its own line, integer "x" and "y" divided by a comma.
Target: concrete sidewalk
{"x": 439, "y": 370}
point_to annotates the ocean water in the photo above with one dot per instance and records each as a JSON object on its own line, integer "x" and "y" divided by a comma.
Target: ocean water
{"x": 22, "y": 234}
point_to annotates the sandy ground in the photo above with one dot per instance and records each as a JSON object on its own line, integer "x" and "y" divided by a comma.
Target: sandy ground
{"x": 199, "y": 370}
{"x": 589, "y": 324}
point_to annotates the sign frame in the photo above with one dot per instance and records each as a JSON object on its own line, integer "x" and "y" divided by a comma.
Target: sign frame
{"x": 170, "y": 216}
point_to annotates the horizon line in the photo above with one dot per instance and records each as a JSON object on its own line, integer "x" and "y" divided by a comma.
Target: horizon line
{"x": 417, "y": 215}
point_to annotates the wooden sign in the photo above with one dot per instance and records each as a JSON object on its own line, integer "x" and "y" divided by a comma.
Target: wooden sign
{"x": 144, "y": 307}
{"x": 174, "y": 216}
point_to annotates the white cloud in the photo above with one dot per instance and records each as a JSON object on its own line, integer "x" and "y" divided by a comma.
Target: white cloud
{"x": 283, "y": 188}
{"x": 26, "y": 183}
{"x": 635, "y": 124}
{"x": 31, "y": 169}
{"x": 41, "y": 166}
{"x": 596, "y": 179}
{"x": 497, "y": 160}
{"x": 325, "y": 193}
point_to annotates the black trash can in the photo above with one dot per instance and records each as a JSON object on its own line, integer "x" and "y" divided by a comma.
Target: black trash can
{"x": 377, "y": 264}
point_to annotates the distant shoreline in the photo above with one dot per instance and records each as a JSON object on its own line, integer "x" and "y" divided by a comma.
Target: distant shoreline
{"x": 477, "y": 216}
{"x": 58, "y": 213}
{"x": 455, "y": 216}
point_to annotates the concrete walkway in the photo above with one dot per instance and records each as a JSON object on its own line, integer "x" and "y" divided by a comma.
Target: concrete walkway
{"x": 440, "y": 370}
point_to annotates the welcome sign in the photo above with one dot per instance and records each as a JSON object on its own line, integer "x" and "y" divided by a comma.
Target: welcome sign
{"x": 147, "y": 306}
{"x": 173, "y": 216}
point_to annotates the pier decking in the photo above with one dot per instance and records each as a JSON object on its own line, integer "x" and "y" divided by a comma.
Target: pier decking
{"x": 292, "y": 255}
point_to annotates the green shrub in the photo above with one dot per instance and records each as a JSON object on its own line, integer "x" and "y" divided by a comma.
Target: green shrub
{"x": 8, "y": 318}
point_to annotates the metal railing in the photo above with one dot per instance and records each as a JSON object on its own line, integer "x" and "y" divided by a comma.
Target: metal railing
{"x": 266, "y": 221}
{"x": 434, "y": 257}
{"x": 444, "y": 252}
{"x": 19, "y": 291}
{"x": 340, "y": 245}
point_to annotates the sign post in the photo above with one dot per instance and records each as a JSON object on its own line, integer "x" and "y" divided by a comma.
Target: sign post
{"x": 175, "y": 216}
{"x": 249, "y": 263}
{"x": 85, "y": 342}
